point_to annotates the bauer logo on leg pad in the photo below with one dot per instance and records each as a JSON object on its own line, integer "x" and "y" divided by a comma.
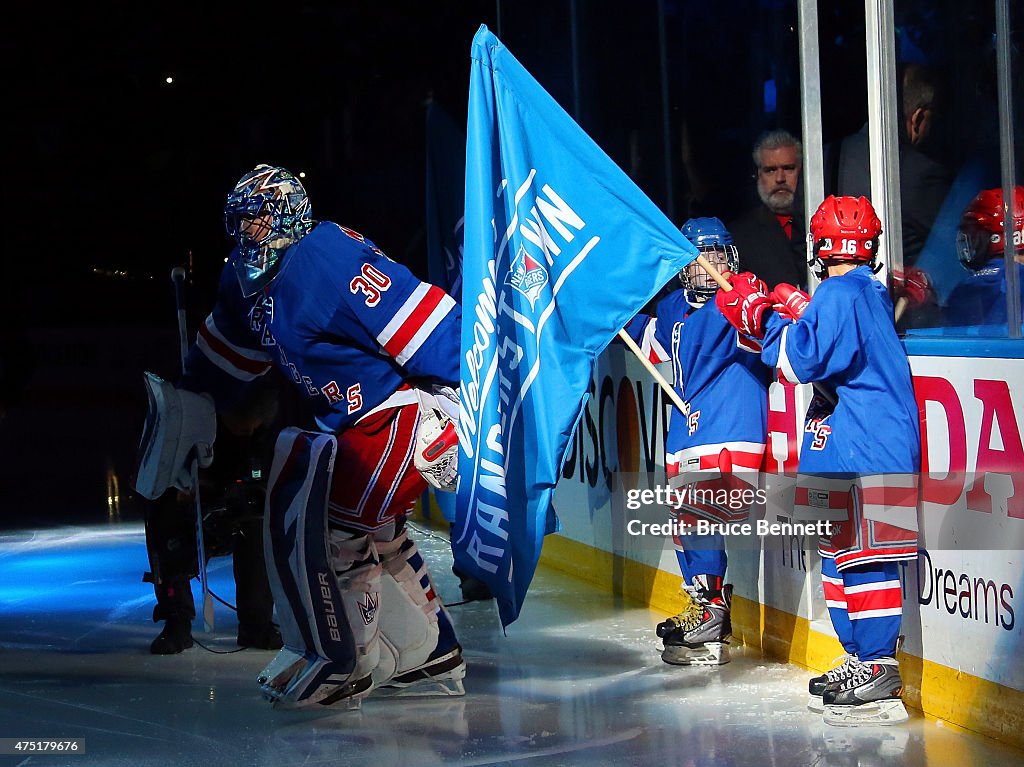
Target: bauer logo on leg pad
{"x": 328, "y": 602}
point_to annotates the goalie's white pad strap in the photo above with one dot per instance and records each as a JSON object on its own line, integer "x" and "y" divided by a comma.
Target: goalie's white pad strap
{"x": 180, "y": 426}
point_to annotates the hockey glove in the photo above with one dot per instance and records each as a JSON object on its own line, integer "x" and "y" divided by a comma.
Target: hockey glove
{"x": 744, "y": 306}
{"x": 789, "y": 301}
{"x": 437, "y": 444}
{"x": 914, "y": 285}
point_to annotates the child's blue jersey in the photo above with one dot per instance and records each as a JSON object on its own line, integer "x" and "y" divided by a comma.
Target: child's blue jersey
{"x": 846, "y": 341}
{"x": 717, "y": 372}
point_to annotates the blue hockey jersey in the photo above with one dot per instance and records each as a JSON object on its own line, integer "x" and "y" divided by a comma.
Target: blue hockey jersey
{"x": 846, "y": 341}
{"x": 981, "y": 298}
{"x": 343, "y": 322}
{"x": 717, "y": 372}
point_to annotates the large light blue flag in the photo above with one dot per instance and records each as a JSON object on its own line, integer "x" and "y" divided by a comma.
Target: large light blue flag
{"x": 561, "y": 250}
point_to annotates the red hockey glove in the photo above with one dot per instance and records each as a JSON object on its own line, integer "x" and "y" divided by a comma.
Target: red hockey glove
{"x": 914, "y": 285}
{"x": 744, "y": 306}
{"x": 789, "y": 301}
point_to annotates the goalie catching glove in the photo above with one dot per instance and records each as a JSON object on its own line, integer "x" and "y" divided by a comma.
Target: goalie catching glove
{"x": 437, "y": 445}
{"x": 180, "y": 427}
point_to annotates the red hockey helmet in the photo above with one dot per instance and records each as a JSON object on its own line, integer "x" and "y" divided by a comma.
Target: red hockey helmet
{"x": 980, "y": 237}
{"x": 845, "y": 229}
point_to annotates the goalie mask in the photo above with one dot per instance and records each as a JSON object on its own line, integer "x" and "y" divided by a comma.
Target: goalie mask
{"x": 714, "y": 242}
{"x": 265, "y": 213}
{"x": 844, "y": 230}
{"x": 980, "y": 236}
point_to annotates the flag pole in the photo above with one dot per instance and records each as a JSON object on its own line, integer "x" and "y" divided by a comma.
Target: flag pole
{"x": 665, "y": 385}
{"x": 715, "y": 274}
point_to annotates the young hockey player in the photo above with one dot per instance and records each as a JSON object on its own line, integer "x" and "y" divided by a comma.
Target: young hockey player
{"x": 372, "y": 349}
{"x": 714, "y": 367}
{"x": 861, "y": 447}
{"x": 981, "y": 298}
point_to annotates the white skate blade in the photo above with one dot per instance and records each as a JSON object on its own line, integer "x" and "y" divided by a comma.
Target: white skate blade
{"x": 709, "y": 654}
{"x": 287, "y": 681}
{"x": 440, "y": 677}
{"x": 816, "y": 704}
{"x": 884, "y": 712}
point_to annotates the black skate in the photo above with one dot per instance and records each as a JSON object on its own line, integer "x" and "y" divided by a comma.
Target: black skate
{"x": 871, "y": 695}
{"x": 175, "y": 638}
{"x": 700, "y": 635}
{"x": 817, "y": 686}
{"x": 670, "y": 625}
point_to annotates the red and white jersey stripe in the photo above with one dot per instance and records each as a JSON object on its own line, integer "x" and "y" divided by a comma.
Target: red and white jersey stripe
{"x": 835, "y": 595}
{"x": 650, "y": 345}
{"x": 243, "y": 363}
{"x": 891, "y": 499}
{"x": 874, "y": 600}
{"x": 742, "y": 457}
{"x": 413, "y": 323}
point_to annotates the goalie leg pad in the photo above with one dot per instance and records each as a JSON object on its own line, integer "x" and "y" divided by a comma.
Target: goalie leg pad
{"x": 418, "y": 643}
{"x": 179, "y": 425}
{"x": 328, "y": 618}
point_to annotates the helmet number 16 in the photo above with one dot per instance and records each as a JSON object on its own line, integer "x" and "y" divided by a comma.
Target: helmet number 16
{"x": 849, "y": 247}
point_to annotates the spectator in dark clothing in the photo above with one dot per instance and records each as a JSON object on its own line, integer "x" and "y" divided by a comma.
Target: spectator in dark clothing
{"x": 924, "y": 182}
{"x": 770, "y": 237}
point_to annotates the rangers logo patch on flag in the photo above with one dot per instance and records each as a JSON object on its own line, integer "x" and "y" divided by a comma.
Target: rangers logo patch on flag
{"x": 527, "y": 276}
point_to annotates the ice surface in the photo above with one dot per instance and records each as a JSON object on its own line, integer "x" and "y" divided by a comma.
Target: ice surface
{"x": 578, "y": 680}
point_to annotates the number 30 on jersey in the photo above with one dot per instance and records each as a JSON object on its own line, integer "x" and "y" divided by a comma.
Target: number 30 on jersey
{"x": 372, "y": 282}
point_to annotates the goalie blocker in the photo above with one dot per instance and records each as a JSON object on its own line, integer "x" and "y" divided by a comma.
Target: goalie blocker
{"x": 180, "y": 426}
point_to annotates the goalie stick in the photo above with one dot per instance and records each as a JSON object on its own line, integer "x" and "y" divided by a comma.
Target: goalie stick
{"x": 178, "y": 278}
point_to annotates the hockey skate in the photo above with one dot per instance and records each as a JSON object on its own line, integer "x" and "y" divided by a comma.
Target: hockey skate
{"x": 870, "y": 695}
{"x": 442, "y": 674}
{"x": 420, "y": 653}
{"x": 292, "y": 680}
{"x": 699, "y": 636}
{"x": 816, "y": 686}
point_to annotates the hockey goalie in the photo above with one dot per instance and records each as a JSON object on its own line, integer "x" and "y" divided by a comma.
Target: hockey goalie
{"x": 374, "y": 352}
